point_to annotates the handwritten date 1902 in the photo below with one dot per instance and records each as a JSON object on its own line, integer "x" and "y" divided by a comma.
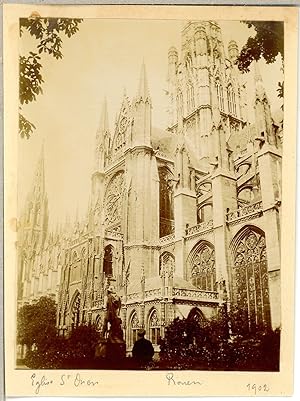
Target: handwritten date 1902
{"x": 257, "y": 388}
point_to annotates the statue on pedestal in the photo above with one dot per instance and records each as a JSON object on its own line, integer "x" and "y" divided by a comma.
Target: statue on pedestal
{"x": 113, "y": 332}
{"x": 112, "y": 346}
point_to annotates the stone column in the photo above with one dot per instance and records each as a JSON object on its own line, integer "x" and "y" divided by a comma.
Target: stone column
{"x": 184, "y": 205}
{"x": 268, "y": 159}
{"x": 224, "y": 197}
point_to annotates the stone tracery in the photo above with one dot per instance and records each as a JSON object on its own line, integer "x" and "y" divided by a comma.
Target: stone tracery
{"x": 114, "y": 200}
{"x": 202, "y": 267}
{"x": 250, "y": 277}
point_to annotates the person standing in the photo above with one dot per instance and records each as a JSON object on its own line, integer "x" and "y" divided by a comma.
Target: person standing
{"x": 142, "y": 351}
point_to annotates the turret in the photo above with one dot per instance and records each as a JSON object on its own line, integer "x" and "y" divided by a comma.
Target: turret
{"x": 263, "y": 117}
{"x": 102, "y": 140}
{"x": 36, "y": 209}
{"x": 142, "y": 112}
{"x": 172, "y": 63}
{"x": 201, "y": 42}
{"x": 233, "y": 50}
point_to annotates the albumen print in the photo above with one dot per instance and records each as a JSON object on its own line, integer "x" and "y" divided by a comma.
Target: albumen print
{"x": 149, "y": 199}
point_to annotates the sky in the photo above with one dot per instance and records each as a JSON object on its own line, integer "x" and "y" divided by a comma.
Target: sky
{"x": 101, "y": 60}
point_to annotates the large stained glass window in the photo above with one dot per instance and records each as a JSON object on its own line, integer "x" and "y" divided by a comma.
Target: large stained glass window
{"x": 202, "y": 267}
{"x": 250, "y": 277}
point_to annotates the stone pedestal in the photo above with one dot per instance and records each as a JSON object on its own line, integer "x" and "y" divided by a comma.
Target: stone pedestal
{"x": 115, "y": 352}
{"x": 110, "y": 354}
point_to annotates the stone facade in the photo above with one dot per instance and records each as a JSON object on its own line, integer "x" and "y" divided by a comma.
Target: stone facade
{"x": 181, "y": 221}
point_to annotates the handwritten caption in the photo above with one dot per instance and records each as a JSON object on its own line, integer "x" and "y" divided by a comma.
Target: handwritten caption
{"x": 76, "y": 380}
{"x": 255, "y": 389}
{"x": 172, "y": 380}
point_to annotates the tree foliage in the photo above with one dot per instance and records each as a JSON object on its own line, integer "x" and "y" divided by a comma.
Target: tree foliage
{"x": 36, "y": 328}
{"x": 267, "y": 43}
{"x": 36, "y": 323}
{"x": 187, "y": 345}
{"x": 48, "y": 34}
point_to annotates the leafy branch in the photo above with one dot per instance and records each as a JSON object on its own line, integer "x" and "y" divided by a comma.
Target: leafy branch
{"x": 47, "y": 32}
{"x": 267, "y": 43}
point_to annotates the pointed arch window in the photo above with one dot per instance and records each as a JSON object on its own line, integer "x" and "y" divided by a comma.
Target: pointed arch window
{"x": 75, "y": 312}
{"x": 75, "y": 269}
{"x": 189, "y": 63}
{"x": 220, "y": 95}
{"x": 196, "y": 315}
{"x": 166, "y": 264}
{"x": 202, "y": 267}
{"x": 190, "y": 97}
{"x": 133, "y": 328}
{"x": 231, "y": 100}
{"x": 250, "y": 277}
{"x": 99, "y": 323}
{"x": 154, "y": 327}
{"x": 166, "y": 203}
{"x": 108, "y": 261}
{"x": 179, "y": 100}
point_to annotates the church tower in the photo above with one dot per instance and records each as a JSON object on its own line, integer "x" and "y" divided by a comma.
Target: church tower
{"x": 204, "y": 88}
{"x": 34, "y": 221}
{"x": 102, "y": 158}
{"x": 33, "y": 227}
{"x": 142, "y": 199}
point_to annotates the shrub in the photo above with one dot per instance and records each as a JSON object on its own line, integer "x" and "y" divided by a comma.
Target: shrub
{"x": 188, "y": 346}
{"x": 81, "y": 344}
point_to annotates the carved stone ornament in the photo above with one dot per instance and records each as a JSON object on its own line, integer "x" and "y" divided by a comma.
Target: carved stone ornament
{"x": 114, "y": 199}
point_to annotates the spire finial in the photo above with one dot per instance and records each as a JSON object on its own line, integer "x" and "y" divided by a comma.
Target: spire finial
{"x": 143, "y": 90}
{"x": 103, "y": 126}
{"x": 259, "y": 87}
{"x": 257, "y": 74}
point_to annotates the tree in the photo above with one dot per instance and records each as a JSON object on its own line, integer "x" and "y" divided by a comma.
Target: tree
{"x": 183, "y": 345}
{"x": 36, "y": 323}
{"x": 267, "y": 43}
{"x": 47, "y": 32}
{"x": 188, "y": 345}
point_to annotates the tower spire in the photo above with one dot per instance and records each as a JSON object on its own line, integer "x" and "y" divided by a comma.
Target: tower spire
{"x": 102, "y": 138}
{"x": 263, "y": 116}
{"x": 39, "y": 179}
{"x": 143, "y": 89}
{"x": 259, "y": 87}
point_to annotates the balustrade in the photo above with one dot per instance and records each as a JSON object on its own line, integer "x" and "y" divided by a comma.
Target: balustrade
{"x": 248, "y": 210}
{"x": 203, "y": 226}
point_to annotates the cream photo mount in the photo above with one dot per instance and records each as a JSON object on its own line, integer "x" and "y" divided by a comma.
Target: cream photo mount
{"x": 144, "y": 155}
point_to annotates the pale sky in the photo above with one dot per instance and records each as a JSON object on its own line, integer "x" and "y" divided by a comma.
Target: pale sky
{"x": 102, "y": 59}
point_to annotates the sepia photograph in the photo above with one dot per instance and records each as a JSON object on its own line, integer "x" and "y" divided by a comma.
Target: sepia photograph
{"x": 149, "y": 196}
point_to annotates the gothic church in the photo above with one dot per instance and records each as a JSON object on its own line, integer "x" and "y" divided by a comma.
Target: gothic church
{"x": 180, "y": 220}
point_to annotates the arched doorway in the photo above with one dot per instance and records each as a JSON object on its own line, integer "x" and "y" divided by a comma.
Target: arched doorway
{"x": 250, "y": 286}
